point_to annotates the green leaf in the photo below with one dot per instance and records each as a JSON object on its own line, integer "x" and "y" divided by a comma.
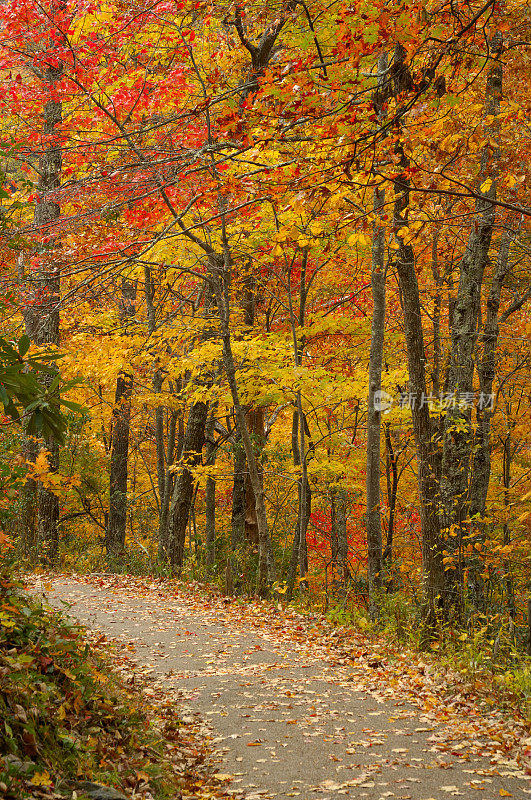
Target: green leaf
{"x": 23, "y": 345}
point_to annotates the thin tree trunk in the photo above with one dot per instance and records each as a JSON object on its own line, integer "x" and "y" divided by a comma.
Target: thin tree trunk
{"x": 210, "y": 495}
{"x": 436, "y": 322}
{"x": 210, "y": 522}
{"x": 237, "y": 534}
{"x": 373, "y": 510}
{"x": 255, "y": 422}
{"x": 169, "y": 450}
{"x": 294, "y": 559}
{"x": 121, "y": 418}
{"x": 238, "y": 498}
{"x": 392, "y": 489}
{"x": 507, "y": 571}
{"x": 339, "y": 532}
{"x": 305, "y": 497}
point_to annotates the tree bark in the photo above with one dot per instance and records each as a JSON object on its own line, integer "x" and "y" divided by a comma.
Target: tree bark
{"x": 183, "y": 488}
{"x": 169, "y": 430}
{"x": 458, "y": 435}
{"x": 378, "y": 274}
{"x": 238, "y": 498}
{"x": 339, "y": 503}
{"x": 210, "y": 495}
{"x": 220, "y": 272}
{"x": 427, "y": 455}
{"x": 255, "y": 422}
{"x": 194, "y": 439}
{"x": 294, "y": 559}
{"x": 41, "y": 317}
{"x": 392, "y": 490}
{"x": 121, "y": 417}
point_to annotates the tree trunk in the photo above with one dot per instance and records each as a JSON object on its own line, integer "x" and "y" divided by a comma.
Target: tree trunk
{"x": 294, "y": 559}
{"x": 210, "y": 495}
{"x": 181, "y": 502}
{"x": 339, "y": 502}
{"x": 210, "y": 522}
{"x": 507, "y": 566}
{"x": 238, "y": 498}
{"x": 427, "y": 455}
{"x": 237, "y": 534}
{"x": 378, "y": 275}
{"x": 255, "y": 422}
{"x": 266, "y": 567}
{"x": 481, "y": 458}
{"x": 305, "y": 497}
{"x": 166, "y": 478}
{"x": 299, "y": 552}
{"x": 121, "y": 417}
{"x": 458, "y": 435}
{"x": 392, "y": 489}
{"x": 41, "y": 317}
{"x": 171, "y": 545}
{"x": 117, "y": 519}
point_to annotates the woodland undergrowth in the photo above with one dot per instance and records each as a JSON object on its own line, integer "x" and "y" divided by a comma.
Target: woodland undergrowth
{"x": 488, "y": 654}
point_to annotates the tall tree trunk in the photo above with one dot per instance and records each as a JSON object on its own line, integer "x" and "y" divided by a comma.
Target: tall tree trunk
{"x": 480, "y": 473}
{"x": 237, "y": 534}
{"x": 172, "y": 454}
{"x": 427, "y": 455}
{"x": 41, "y": 314}
{"x": 378, "y": 274}
{"x": 458, "y": 435}
{"x": 436, "y": 319}
{"x": 481, "y": 459}
{"x": 121, "y": 417}
{"x": 117, "y": 518}
{"x": 169, "y": 429}
{"x": 254, "y": 416}
{"x": 220, "y": 272}
{"x": 210, "y": 522}
{"x": 298, "y": 437}
{"x": 183, "y": 488}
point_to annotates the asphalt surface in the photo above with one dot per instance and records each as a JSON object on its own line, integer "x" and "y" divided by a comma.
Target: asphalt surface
{"x": 289, "y": 719}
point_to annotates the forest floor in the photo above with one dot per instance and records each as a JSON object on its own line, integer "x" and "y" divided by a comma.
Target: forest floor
{"x": 294, "y": 707}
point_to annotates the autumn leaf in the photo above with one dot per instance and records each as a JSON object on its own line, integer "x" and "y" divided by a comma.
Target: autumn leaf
{"x": 42, "y": 779}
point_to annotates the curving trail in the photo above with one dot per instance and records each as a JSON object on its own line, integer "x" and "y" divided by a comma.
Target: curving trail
{"x": 296, "y": 708}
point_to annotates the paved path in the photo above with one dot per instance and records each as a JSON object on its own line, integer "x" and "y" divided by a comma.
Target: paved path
{"x": 292, "y": 716}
